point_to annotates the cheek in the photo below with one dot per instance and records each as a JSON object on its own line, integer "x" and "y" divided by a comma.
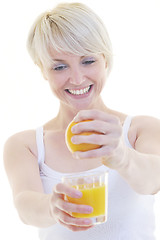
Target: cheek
{"x": 100, "y": 79}
{"x": 55, "y": 90}
{"x": 56, "y": 82}
{"x": 100, "y": 75}
{"x": 55, "y": 87}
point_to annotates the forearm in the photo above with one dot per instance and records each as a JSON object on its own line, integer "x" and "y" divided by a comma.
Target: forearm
{"x": 34, "y": 208}
{"x": 142, "y": 172}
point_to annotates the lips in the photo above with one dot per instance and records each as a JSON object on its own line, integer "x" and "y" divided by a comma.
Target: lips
{"x": 78, "y": 92}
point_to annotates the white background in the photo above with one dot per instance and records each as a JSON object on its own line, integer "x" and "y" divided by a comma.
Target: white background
{"x": 27, "y": 102}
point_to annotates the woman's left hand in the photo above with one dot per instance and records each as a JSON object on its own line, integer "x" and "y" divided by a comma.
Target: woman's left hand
{"x": 113, "y": 149}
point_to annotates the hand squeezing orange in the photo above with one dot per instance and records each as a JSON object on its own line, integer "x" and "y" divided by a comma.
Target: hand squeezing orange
{"x": 82, "y": 146}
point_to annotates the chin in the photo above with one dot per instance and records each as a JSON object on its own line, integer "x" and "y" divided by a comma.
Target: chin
{"x": 82, "y": 106}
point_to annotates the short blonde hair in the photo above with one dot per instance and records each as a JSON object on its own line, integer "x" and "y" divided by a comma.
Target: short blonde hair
{"x": 69, "y": 27}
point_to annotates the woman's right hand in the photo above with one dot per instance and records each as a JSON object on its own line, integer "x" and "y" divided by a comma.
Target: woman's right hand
{"x": 61, "y": 210}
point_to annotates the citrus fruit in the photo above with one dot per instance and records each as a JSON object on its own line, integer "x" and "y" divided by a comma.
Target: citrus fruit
{"x": 82, "y": 146}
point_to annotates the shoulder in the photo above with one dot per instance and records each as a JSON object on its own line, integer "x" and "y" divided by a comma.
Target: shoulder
{"x": 147, "y": 133}
{"x": 20, "y": 141}
{"x": 145, "y": 124}
{"x": 20, "y": 162}
{"x": 23, "y": 137}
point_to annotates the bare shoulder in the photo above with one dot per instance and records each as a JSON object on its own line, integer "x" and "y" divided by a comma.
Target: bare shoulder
{"x": 146, "y": 124}
{"x": 147, "y": 129}
{"x": 25, "y": 138}
{"x": 19, "y": 145}
{"x": 21, "y": 163}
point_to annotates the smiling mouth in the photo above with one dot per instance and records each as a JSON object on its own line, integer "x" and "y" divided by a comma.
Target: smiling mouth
{"x": 77, "y": 92}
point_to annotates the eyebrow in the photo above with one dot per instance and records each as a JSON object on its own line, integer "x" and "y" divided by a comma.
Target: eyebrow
{"x": 63, "y": 60}
{"x": 58, "y": 60}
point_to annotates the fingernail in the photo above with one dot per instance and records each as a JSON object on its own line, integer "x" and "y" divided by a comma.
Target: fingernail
{"x": 87, "y": 221}
{"x": 75, "y": 119}
{"x": 73, "y": 140}
{"x": 78, "y": 194}
{"x": 75, "y": 155}
{"x": 89, "y": 209}
{"x": 73, "y": 129}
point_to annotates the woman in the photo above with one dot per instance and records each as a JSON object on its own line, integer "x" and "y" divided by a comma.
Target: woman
{"x": 72, "y": 48}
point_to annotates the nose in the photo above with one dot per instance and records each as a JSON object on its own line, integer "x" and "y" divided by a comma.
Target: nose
{"x": 77, "y": 77}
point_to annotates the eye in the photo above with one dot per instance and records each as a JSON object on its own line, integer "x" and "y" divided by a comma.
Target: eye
{"x": 88, "y": 61}
{"x": 59, "y": 67}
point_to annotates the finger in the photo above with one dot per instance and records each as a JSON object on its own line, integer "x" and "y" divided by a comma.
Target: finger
{"x": 69, "y": 220}
{"x": 95, "y": 125}
{"x": 108, "y": 140}
{"x": 96, "y": 153}
{"x": 95, "y": 114}
{"x": 62, "y": 188}
{"x": 76, "y": 228}
{"x": 71, "y": 207}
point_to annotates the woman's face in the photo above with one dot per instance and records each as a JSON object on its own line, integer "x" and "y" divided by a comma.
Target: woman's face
{"x": 77, "y": 81}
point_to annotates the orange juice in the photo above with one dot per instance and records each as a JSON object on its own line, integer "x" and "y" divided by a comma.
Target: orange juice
{"x": 93, "y": 186}
{"x": 94, "y": 197}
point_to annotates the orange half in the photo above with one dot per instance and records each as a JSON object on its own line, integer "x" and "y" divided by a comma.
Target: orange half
{"x": 82, "y": 146}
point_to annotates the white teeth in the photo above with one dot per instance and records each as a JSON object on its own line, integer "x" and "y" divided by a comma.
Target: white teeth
{"x": 80, "y": 91}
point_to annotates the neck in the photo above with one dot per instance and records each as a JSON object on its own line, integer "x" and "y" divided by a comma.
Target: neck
{"x": 66, "y": 113}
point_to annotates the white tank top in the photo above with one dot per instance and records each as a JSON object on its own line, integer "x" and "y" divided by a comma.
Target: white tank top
{"x": 130, "y": 215}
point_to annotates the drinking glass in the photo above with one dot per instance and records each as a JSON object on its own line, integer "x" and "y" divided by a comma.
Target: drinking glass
{"x": 94, "y": 188}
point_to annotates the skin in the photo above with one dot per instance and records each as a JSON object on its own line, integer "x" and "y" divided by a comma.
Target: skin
{"x": 139, "y": 166}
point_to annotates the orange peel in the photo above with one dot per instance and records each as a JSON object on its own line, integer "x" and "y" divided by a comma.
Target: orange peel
{"x": 82, "y": 146}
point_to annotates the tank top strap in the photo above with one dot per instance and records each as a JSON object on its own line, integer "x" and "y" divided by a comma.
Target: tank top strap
{"x": 126, "y": 127}
{"x": 40, "y": 145}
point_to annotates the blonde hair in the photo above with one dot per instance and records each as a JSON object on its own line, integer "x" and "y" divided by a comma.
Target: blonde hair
{"x": 69, "y": 27}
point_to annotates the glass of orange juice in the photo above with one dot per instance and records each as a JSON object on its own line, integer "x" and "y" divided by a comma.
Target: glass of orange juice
{"x": 94, "y": 188}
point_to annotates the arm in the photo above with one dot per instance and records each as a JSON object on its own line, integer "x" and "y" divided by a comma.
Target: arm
{"x": 142, "y": 172}
{"x": 140, "y": 166}
{"x": 33, "y": 205}
{"x": 143, "y": 168}
{"x": 23, "y": 174}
